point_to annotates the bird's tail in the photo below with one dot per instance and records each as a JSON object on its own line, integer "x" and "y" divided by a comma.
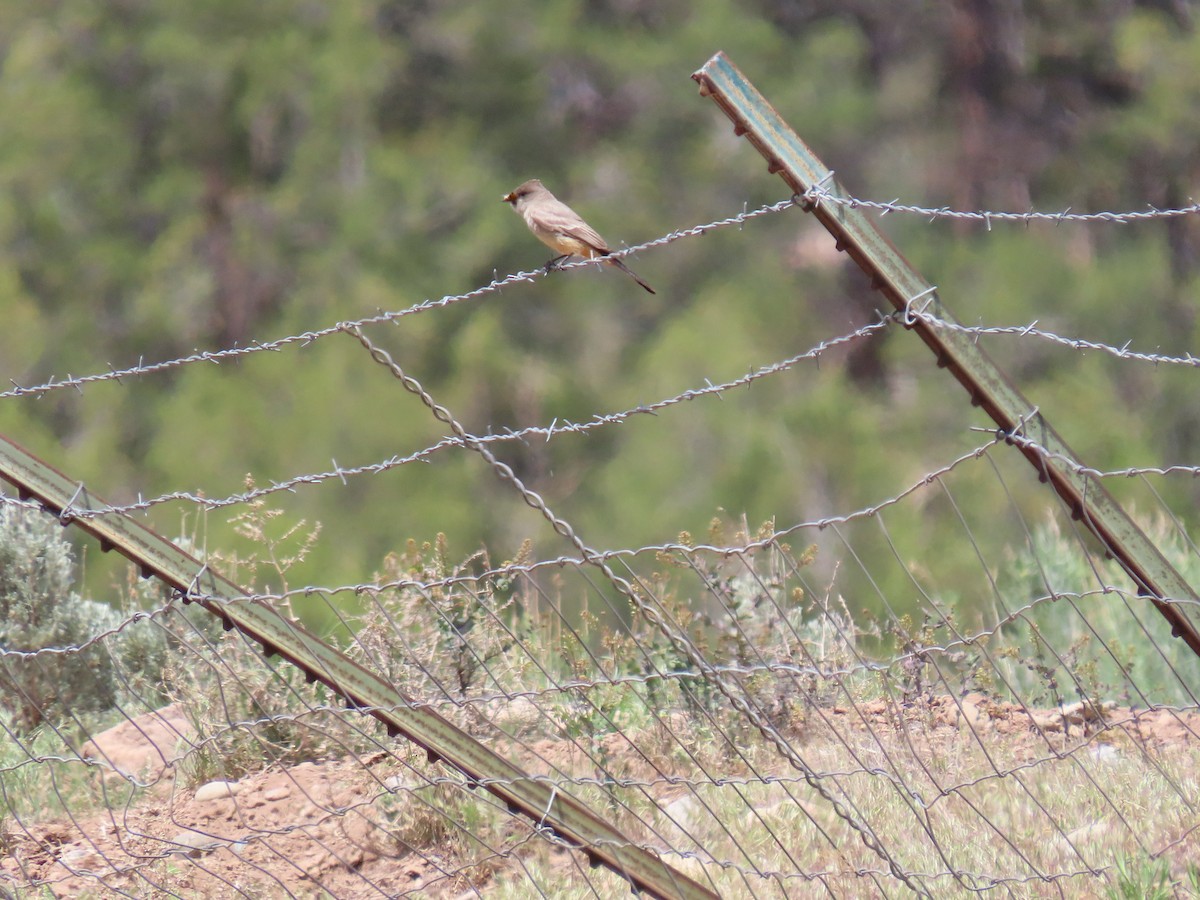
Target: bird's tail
{"x": 628, "y": 271}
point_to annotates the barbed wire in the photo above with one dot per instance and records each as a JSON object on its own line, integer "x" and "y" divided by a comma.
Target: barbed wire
{"x": 651, "y": 609}
{"x": 820, "y": 194}
{"x": 576, "y": 686}
{"x": 305, "y": 338}
{"x": 545, "y": 432}
{"x": 707, "y": 673}
{"x": 964, "y": 789}
{"x": 1031, "y": 330}
{"x": 1028, "y": 443}
{"x": 748, "y": 548}
{"x": 816, "y": 194}
{"x": 878, "y": 810}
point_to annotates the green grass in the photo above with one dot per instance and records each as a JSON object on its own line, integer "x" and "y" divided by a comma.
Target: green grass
{"x": 608, "y": 707}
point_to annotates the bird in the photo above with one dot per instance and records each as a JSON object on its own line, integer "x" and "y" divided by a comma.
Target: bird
{"x": 561, "y": 228}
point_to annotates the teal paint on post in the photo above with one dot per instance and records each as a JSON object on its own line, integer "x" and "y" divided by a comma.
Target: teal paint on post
{"x": 988, "y": 387}
{"x": 543, "y": 803}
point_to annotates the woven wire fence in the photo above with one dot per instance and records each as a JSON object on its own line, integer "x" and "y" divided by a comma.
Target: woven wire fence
{"x": 831, "y": 706}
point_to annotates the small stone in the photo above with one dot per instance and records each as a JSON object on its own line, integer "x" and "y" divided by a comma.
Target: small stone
{"x": 968, "y": 712}
{"x": 682, "y": 811}
{"x": 216, "y": 790}
{"x": 83, "y": 858}
{"x": 194, "y": 843}
{"x": 1088, "y": 833}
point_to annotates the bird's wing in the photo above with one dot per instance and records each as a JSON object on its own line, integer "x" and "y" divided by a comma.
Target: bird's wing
{"x": 568, "y": 222}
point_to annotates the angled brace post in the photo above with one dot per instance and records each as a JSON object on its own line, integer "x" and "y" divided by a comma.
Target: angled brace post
{"x": 988, "y": 387}
{"x": 543, "y": 804}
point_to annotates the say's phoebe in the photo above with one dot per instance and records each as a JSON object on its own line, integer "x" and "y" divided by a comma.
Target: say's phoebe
{"x": 560, "y": 228}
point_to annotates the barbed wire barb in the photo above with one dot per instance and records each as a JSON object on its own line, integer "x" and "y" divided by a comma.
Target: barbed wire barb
{"x": 895, "y": 655}
{"x": 819, "y": 193}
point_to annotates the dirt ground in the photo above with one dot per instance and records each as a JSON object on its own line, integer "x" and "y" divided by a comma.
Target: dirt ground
{"x": 326, "y": 828}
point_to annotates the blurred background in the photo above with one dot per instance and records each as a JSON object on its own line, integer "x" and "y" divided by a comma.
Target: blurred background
{"x": 181, "y": 176}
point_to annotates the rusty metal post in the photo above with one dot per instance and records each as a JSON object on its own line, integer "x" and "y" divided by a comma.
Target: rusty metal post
{"x": 954, "y": 349}
{"x": 543, "y": 803}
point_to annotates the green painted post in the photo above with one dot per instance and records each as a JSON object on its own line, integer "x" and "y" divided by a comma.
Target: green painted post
{"x": 361, "y": 688}
{"x": 988, "y": 387}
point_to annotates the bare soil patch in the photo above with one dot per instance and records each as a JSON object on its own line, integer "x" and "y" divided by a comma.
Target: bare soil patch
{"x": 351, "y": 827}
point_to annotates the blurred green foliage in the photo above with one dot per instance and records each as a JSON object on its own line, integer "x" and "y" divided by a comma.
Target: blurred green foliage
{"x": 177, "y": 175}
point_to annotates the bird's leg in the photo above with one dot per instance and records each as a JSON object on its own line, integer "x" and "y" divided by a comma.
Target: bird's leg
{"x": 556, "y": 262}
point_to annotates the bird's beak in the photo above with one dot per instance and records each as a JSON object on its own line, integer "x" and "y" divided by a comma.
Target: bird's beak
{"x": 509, "y": 197}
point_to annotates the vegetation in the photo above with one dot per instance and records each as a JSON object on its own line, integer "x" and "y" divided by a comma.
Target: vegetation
{"x": 204, "y": 176}
{"x": 182, "y": 176}
{"x": 95, "y": 664}
{"x": 627, "y": 719}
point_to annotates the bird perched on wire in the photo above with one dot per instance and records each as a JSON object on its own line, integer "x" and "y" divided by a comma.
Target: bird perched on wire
{"x": 561, "y": 228}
